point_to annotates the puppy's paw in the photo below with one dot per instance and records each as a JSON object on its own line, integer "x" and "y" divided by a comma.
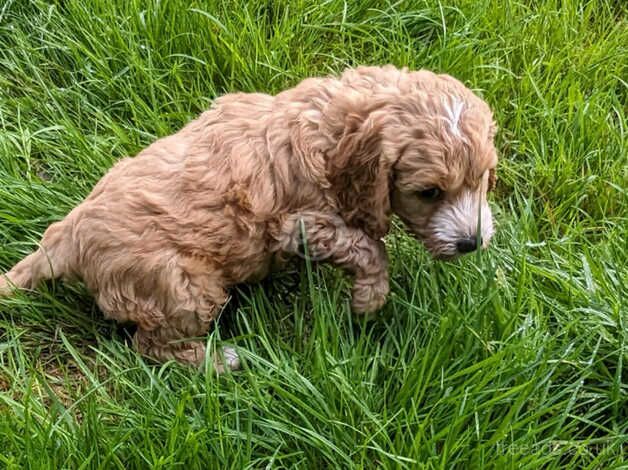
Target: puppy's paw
{"x": 369, "y": 295}
{"x": 227, "y": 359}
{"x": 193, "y": 354}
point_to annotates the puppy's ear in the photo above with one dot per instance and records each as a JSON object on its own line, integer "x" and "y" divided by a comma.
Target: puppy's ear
{"x": 360, "y": 175}
{"x": 492, "y": 180}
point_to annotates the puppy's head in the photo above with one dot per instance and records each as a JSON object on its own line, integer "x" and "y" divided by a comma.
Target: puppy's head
{"x": 419, "y": 145}
{"x": 444, "y": 166}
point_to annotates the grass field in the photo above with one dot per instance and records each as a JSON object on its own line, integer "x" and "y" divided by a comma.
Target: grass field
{"x": 513, "y": 358}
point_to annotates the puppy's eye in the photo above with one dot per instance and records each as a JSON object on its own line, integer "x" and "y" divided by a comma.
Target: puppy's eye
{"x": 430, "y": 194}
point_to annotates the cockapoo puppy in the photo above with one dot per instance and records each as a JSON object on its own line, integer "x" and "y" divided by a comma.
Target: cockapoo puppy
{"x": 163, "y": 235}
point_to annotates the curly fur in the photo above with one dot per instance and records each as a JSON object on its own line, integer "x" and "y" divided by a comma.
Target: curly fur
{"x": 163, "y": 235}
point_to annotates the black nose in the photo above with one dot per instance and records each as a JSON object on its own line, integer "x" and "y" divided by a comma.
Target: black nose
{"x": 467, "y": 245}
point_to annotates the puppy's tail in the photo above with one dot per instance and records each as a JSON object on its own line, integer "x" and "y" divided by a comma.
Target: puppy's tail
{"x": 50, "y": 261}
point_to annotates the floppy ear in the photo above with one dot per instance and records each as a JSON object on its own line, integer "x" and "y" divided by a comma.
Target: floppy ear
{"x": 492, "y": 180}
{"x": 360, "y": 175}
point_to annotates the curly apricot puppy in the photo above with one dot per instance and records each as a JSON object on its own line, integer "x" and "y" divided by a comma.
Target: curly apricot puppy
{"x": 163, "y": 235}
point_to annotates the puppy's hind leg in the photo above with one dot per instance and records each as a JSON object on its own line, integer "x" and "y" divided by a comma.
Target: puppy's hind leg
{"x": 178, "y": 335}
{"x": 164, "y": 344}
{"x": 53, "y": 259}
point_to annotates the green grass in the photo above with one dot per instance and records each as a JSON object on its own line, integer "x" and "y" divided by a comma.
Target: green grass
{"x": 515, "y": 358}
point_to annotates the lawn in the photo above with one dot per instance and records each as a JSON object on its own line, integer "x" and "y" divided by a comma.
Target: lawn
{"x": 516, "y": 357}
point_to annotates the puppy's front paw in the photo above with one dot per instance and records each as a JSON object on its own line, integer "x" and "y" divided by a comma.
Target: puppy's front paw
{"x": 369, "y": 295}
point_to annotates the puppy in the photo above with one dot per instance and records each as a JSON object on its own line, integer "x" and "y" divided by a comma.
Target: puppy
{"x": 163, "y": 235}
